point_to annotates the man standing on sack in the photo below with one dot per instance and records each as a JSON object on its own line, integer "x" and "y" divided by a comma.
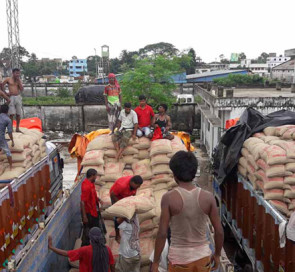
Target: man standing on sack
{"x": 113, "y": 100}
{"x": 15, "y": 88}
{"x": 91, "y": 216}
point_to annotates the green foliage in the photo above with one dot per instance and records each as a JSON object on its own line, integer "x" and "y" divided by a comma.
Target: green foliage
{"x": 76, "y": 87}
{"x": 63, "y": 92}
{"x": 156, "y": 49}
{"x": 239, "y": 80}
{"x": 48, "y": 100}
{"x": 151, "y": 77}
{"x": 198, "y": 99}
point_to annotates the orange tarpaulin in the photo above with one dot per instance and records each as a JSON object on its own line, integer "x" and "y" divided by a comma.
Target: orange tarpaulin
{"x": 185, "y": 138}
{"x": 231, "y": 122}
{"x": 30, "y": 123}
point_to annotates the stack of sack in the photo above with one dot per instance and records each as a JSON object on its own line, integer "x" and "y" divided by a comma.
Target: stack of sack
{"x": 142, "y": 157}
{"x": 28, "y": 149}
{"x": 268, "y": 161}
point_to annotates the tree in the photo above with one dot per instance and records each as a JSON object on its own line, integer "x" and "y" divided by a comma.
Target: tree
{"x": 262, "y": 58}
{"x": 242, "y": 56}
{"x": 128, "y": 58}
{"x": 115, "y": 66}
{"x": 156, "y": 49}
{"x": 192, "y": 63}
{"x": 151, "y": 77}
{"x": 221, "y": 57}
{"x": 92, "y": 61}
{"x": 225, "y": 61}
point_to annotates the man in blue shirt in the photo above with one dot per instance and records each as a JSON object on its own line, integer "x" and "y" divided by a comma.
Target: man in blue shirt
{"x": 5, "y": 122}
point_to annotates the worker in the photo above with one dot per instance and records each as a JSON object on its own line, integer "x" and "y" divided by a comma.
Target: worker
{"x": 15, "y": 88}
{"x": 113, "y": 100}
{"x": 187, "y": 209}
{"x": 5, "y": 123}
{"x": 97, "y": 257}
{"x": 2, "y": 91}
{"x": 91, "y": 216}
{"x": 129, "y": 251}
{"x": 163, "y": 121}
{"x": 144, "y": 114}
{"x": 126, "y": 128}
{"x": 124, "y": 187}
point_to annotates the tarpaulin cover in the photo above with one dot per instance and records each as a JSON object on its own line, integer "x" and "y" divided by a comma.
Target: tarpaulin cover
{"x": 92, "y": 94}
{"x": 30, "y": 123}
{"x": 226, "y": 155}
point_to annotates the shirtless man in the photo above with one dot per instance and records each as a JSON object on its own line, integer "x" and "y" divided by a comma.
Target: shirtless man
{"x": 15, "y": 88}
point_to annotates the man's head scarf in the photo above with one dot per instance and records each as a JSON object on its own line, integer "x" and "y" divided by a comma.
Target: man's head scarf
{"x": 111, "y": 75}
{"x": 100, "y": 256}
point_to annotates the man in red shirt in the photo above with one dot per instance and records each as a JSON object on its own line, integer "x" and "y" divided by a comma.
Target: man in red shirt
{"x": 96, "y": 257}
{"x": 144, "y": 113}
{"x": 91, "y": 216}
{"x": 124, "y": 187}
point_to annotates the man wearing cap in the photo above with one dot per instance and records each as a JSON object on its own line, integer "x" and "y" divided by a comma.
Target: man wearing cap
{"x": 113, "y": 100}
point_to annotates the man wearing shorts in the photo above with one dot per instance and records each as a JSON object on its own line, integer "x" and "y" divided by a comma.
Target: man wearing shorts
{"x": 5, "y": 122}
{"x": 127, "y": 128}
{"x": 15, "y": 88}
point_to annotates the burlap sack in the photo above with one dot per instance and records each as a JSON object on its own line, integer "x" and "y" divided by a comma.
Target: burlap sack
{"x": 146, "y": 249}
{"x": 3, "y": 166}
{"x": 147, "y": 215}
{"x": 143, "y": 143}
{"x": 104, "y": 196}
{"x": 288, "y": 134}
{"x": 161, "y": 178}
{"x": 243, "y": 162}
{"x": 245, "y": 152}
{"x": 146, "y": 184}
{"x": 288, "y": 146}
{"x": 127, "y": 172}
{"x": 101, "y": 142}
{"x": 123, "y": 208}
{"x": 290, "y": 192}
{"x": 290, "y": 180}
{"x": 129, "y": 159}
{"x": 110, "y": 153}
{"x": 16, "y": 156}
{"x": 242, "y": 170}
{"x": 147, "y": 192}
{"x": 142, "y": 168}
{"x": 11, "y": 174}
{"x": 161, "y": 186}
{"x": 130, "y": 151}
{"x": 274, "y": 155}
{"x": 113, "y": 171}
{"x": 280, "y": 206}
{"x": 172, "y": 184}
{"x": 108, "y": 185}
{"x": 161, "y": 146}
{"x": 279, "y": 131}
{"x": 142, "y": 154}
{"x": 269, "y": 131}
{"x": 37, "y": 157}
{"x": 274, "y": 194}
{"x": 259, "y": 135}
{"x": 161, "y": 169}
{"x": 99, "y": 169}
{"x": 250, "y": 142}
{"x": 93, "y": 157}
{"x": 147, "y": 225}
{"x": 159, "y": 159}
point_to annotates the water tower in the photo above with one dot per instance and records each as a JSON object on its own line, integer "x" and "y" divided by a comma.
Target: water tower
{"x": 105, "y": 59}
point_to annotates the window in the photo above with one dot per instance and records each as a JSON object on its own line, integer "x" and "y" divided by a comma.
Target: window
{"x": 208, "y": 126}
{"x": 279, "y": 59}
{"x": 189, "y": 100}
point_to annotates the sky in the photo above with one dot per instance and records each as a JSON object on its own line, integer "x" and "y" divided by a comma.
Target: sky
{"x": 66, "y": 28}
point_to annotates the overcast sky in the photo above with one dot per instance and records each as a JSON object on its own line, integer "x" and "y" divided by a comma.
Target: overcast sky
{"x": 64, "y": 28}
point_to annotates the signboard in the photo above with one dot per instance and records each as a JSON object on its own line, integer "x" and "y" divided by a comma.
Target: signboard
{"x": 234, "y": 57}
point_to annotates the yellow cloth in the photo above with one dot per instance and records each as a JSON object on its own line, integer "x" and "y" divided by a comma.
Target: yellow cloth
{"x": 93, "y": 134}
{"x": 185, "y": 138}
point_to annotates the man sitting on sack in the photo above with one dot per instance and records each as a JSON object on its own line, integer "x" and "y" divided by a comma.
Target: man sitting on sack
{"x": 126, "y": 128}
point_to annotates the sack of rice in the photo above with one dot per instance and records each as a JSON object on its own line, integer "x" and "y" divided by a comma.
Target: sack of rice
{"x": 177, "y": 145}
{"x": 123, "y": 208}
{"x": 243, "y": 162}
{"x": 34, "y": 149}
{"x": 109, "y": 159}
{"x": 3, "y": 166}
{"x": 129, "y": 159}
{"x": 146, "y": 249}
{"x": 147, "y": 215}
{"x": 250, "y": 169}
{"x": 11, "y": 174}
{"x": 147, "y": 192}
{"x": 146, "y": 225}
{"x": 260, "y": 135}
{"x": 113, "y": 171}
{"x": 290, "y": 167}
{"x": 148, "y": 234}
{"x": 160, "y": 159}
{"x": 111, "y": 153}
{"x": 98, "y": 181}
{"x": 161, "y": 169}
{"x": 279, "y": 131}
{"x": 161, "y": 186}
{"x": 106, "y": 216}
{"x": 171, "y": 184}
{"x": 108, "y": 185}
{"x": 288, "y": 146}
{"x": 93, "y": 157}
{"x": 158, "y": 196}
{"x": 292, "y": 205}
{"x": 288, "y": 134}
{"x": 269, "y": 139}
{"x": 276, "y": 170}
{"x": 252, "y": 178}
{"x": 245, "y": 152}
{"x": 251, "y": 160}
{"x": 37, "y": 157}
{"x": 273, "y": 194}
{"x": 142, "y": 154}
{"x": 127, "y": 172}
{"x": 143, "y": 204}
{"x": 161, "y": 178}
{"x": 18, "y": 145}
{"x": 257, "y": 149}
{"x": 99, "y": 169}
{"x": 270, "y": 183}
{"x": 269, "y": 131}
{"x": 133, "y": 142}
{"x": 16, "y": 156}
{"x": 250, "y": 142}
{"x": 146, "y": 184}
{"x": 242, "y": 170}
{"x": 130, "y": 151}
{"x": 105, "y": 199}
{"x": 290, "y": 192}
{"x": 280, "y": 206}
{"x": 143, "y": 143}
{"x": 161, "y": 146}
{"x": 274, "y": 155}
{"x": 142, "y": 168}
{"x": 101, "y": 142}
{"x": 290, "y": 180}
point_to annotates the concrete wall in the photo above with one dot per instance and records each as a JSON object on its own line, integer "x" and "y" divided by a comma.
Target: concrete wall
{"x": 86, "y": 118}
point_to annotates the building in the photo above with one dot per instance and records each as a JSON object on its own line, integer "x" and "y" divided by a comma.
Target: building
{"x": 275, "y": 61}
{"x": 218, "y": 66}
{"x": 219, "y": 106}
{"x": 284, "y": 72}
{"x": 260, "y": 69}
{"x": 77, "y": 67}
{"x": 210, "y": 76}
{"x": 290, "y": 53}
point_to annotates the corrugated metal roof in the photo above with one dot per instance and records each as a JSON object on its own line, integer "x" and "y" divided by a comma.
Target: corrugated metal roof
{"x": 288, "y": 65}
{"x": 214, "y": 73}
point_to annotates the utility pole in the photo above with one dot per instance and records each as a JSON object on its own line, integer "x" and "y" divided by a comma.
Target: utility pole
{"x": 96, "y": 68}
{"x": 13, "y": 32}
